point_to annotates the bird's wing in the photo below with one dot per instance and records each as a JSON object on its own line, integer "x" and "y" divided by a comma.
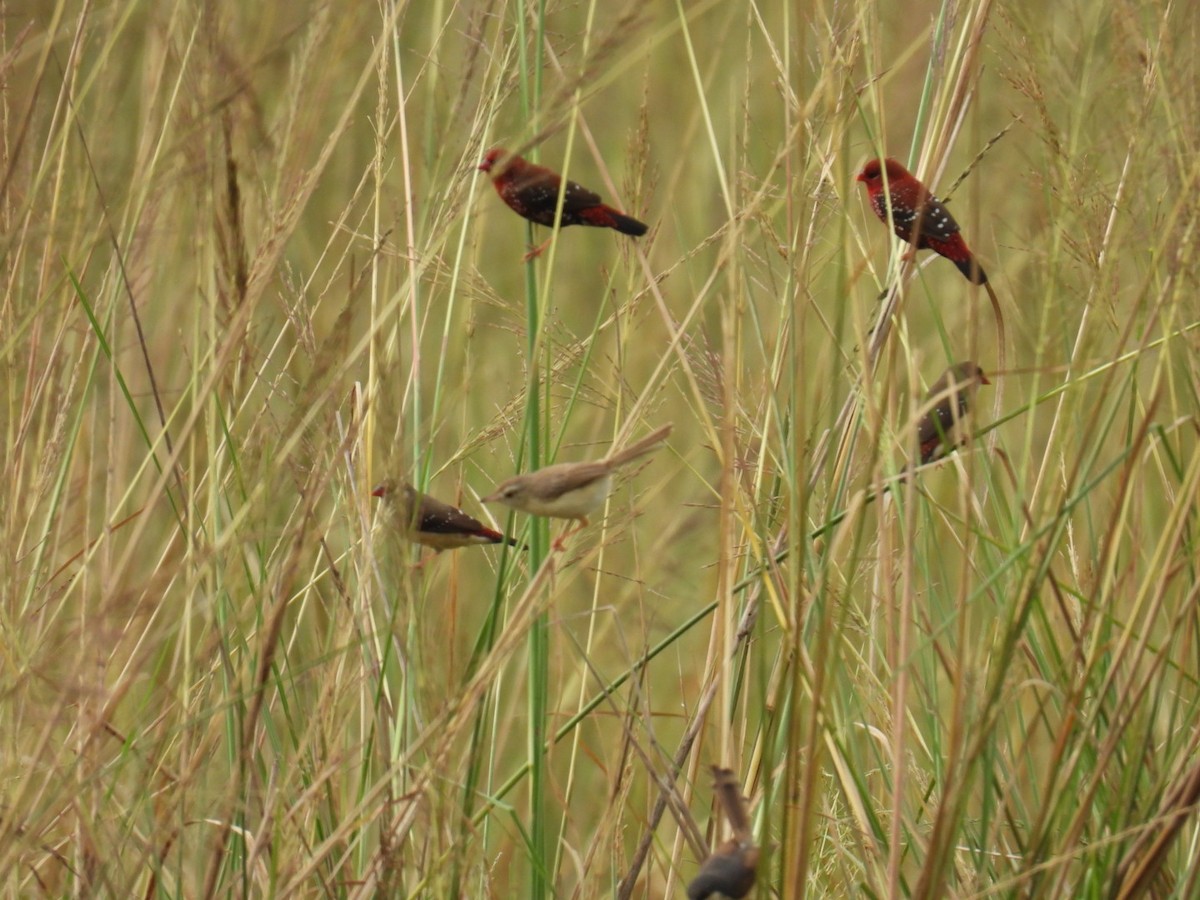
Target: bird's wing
{"x": 938, "y": 423}
{"x": 936, "y": 221}
{"x": 538, "y": 188}
{"x": 934, "y": 424}
{"x": 560, "y": 478}
{"x": 578, "y": 197}
{"x": 437, "y": 517}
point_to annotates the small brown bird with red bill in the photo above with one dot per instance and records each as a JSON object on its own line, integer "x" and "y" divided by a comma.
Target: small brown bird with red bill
{"x": 942, "y": 426}
{"x": 432, "y": 523}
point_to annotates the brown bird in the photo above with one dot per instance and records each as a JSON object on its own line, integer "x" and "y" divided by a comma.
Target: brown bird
{"x": 941, "y": 429}
{"x": 733, "y": 866}
{"x": 430, "y": 522}
{"x": 532, "y": 191}
{"x": 912, "y": 204}
{"x": 570, "y": 490}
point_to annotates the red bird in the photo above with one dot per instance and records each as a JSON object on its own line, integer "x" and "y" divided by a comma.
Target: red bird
{"x": 940, "y": 429}
{"x": 532, "y": 191}
{"x": 911, "y": 203}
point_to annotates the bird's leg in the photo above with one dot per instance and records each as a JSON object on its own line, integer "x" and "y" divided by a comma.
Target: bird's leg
{"x": 538, "y": 250}
{"x": 558, "y": 543}
{"x": 420, "y": 564}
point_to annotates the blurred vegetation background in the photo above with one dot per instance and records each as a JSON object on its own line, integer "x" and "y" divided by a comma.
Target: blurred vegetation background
{"x": 250, "y": 270}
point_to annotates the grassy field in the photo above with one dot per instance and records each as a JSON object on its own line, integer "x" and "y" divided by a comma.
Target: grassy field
{"x": 250, "y": 270}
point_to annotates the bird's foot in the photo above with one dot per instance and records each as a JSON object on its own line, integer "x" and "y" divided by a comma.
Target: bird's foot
{"x": 537, "y": 251}
{"x": 420, "y": 564}
{"x": 560, "y": 542}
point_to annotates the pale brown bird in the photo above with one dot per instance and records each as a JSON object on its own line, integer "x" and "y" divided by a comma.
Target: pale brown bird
{"x": 941, "y": 428}
{"x": 733, "y": 866}
{"x": 432, "y": 523}
{"x": 570, "y": 490}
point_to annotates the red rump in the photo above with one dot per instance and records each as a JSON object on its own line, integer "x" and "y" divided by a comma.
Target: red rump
{"x": 912, "y": 204}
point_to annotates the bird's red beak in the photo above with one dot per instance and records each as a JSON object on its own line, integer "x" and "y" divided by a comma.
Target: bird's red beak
{"x": 380, "y": 491}
{"x": 860, "y": 177}
{"x": 983, "y": 379}
{"x": 484, "y": 166}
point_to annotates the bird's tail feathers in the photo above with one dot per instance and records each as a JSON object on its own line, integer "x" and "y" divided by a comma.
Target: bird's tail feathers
{"x": 498, "y": 537}
{"x": 607, "y": 217}
{"x": 629, "y": 225}
{"x": 972, "y": 269}
{"x": 641, "y": 448}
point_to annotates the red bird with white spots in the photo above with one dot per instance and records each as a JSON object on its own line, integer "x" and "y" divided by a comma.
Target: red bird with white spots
{"x": 912, "y": 204}
{"x": 531, "y": 191}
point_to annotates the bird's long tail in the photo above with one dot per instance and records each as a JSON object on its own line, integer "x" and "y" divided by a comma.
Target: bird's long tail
{"x": 641, "y": 448}
{"x": 972, "y": 269}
